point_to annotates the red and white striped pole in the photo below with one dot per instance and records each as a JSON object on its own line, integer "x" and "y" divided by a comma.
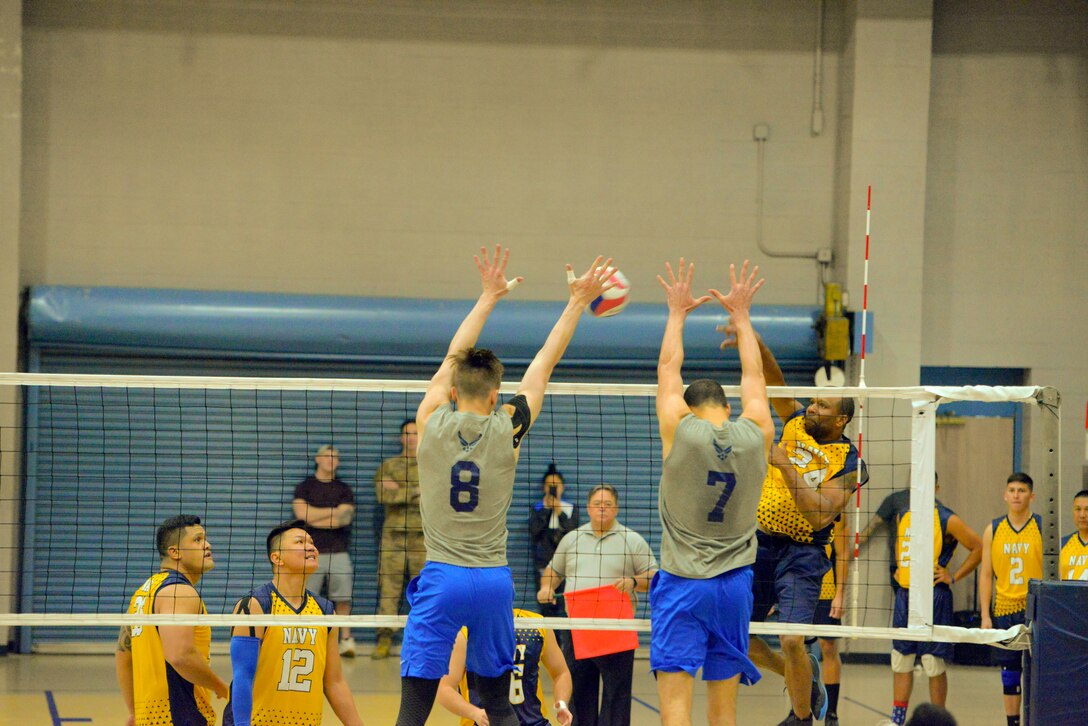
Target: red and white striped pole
{"x": 855, "y": 564}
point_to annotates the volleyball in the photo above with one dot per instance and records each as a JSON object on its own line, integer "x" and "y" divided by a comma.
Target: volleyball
{"x": 614, "y": 300}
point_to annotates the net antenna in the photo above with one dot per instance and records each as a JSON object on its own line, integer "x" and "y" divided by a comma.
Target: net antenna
{"x": 855, "y": 561}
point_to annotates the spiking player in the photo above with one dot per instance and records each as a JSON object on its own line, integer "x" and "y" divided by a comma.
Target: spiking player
{"x": 814, "y": 470}
{"x": 283, "y": 674}
{"x": 1074, "y": 558}
{"x": 1012, "y": 553}
{"x": 948, "y": 532}
{"x": 535, "y": 647}
{"x": 467, "y": 458}
{"x": 711, "y": 479}
{"x": 164, "y": 672}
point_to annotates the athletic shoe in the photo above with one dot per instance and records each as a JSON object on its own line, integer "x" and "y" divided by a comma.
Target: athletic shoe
{"x": 819, "y": 693}
{"x": 792, "y": 720}
{"x": 381, "y": 650}
{"x": 347, "y": 647}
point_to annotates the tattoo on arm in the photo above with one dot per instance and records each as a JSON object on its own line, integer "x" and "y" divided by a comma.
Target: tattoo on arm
{"x": 124, "y": 639}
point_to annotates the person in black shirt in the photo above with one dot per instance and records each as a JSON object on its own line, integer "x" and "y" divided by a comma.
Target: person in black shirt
{"x": 550, "y": 519}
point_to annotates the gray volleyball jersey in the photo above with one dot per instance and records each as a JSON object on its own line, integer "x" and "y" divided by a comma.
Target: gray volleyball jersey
{"x": 710, "y": 488}
{"x": 466, "y": 482}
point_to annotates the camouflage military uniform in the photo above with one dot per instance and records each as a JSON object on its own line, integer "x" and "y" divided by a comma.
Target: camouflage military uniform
{"x": 402, "y": 551}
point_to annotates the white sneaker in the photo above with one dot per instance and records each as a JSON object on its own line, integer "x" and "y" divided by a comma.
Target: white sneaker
{"x": 347, "y": 647}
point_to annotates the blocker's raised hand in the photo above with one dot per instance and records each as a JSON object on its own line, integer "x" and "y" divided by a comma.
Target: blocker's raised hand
{"x": 678, "y": 288}
{"x": 592, "y": 283}
{"x": 493, "y": 272}
{"x": 742, "y": 289}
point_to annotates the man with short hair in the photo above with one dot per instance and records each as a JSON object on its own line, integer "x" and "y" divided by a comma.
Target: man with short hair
{"x": 602, "y": 552}
{"x": 282, "y": 673}
{"x": 1073, "y": 561}
{"x": 1012, "y": 554}
{"x": 814, "y": 470}
{"x": 164, "y": 672}
{"x": 467, "y": 458}
{"x": 711, "y": 480}
{"x": 403, "y": 553}
{"x": 327, "y": 506}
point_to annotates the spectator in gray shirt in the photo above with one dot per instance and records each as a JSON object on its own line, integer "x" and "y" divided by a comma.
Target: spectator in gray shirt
{"x": 599, "y": 553}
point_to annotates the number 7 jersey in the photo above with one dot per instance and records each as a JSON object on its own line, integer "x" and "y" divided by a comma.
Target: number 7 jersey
{"x": 289, "y": 686}
{"x": 1017, "y": 556}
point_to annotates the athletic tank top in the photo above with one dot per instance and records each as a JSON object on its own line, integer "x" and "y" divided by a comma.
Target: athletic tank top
{"x": 289, "y": 685}
{"x": 466, "y": 483}
{"x": 817, "y": 463}
{"x": 710, "y": 488}
{"x": 526, "y": 691}
{"x": 1074, "y": 558}
{"x": 1017, "y": 556}
{"x": 942, "y": 548}
{"x": 162, "y": 697}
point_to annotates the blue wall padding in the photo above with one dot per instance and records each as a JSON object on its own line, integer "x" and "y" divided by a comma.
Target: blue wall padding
{"x": 1057, "y": 674}
{"x": 359, "y": 328}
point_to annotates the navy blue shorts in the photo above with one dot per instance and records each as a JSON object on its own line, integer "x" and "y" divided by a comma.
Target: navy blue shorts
{"x": 443, "y": 599}
{"x": 702, "y": 624}
{"x": 1012, "y": 660}
{"x": 942, "y": 615}
{"x": 823, "y": 617}
{"x": 790, "y": 574}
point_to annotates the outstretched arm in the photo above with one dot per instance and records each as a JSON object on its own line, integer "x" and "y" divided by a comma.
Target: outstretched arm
{"x": 494, "y": 284}
{"x": 753, "y": 384}
{"x": 583, "y": 290}
{"x": 784, "y": 407}
{"x": 671, "y": 406}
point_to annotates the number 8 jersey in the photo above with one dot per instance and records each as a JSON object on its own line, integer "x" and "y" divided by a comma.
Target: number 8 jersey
{"x": 288, "y": 687}
{"x": 1017, "y": 556}
{"x": 466, "y": 483}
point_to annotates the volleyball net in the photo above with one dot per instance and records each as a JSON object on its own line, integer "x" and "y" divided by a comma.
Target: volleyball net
{"x": 91, "y": 465}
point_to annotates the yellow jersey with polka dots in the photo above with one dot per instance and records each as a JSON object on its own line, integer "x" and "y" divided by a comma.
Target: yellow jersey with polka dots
{"x": 162, "y": 696}
{"x": 526, "y": 690}
{"x": 1016, "y": 556}
{"x": 827, "y": 586}
{"x": 1073, "y": 561}
{"x": 817, "y": 464}
{"x": 289, "y": 685}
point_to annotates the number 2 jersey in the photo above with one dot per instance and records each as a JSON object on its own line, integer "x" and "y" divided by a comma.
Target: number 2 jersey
{"x": 288, "y": 687}
{"x": 710, "y": 488}
{"x": 162, "y": 696}
{"x": 526, "y": 691}
{"x": 944, "y": 545}
{"x": 817, "y": 463}
{"x": 1016, "y": 556}
{"x": 466, "y": 483}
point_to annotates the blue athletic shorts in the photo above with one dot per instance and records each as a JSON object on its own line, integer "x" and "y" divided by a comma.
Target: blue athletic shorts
{"x": 823, "y": 617}
{"x": 443, "y": 599}
{"x": 702, "y": 624}
{"x": 1012, "y": 660}
{"x": 788, "y": 573}
{"x": 942, "y": 615}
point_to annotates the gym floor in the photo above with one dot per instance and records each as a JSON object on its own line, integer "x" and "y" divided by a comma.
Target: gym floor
{"x": 67, "y": 689}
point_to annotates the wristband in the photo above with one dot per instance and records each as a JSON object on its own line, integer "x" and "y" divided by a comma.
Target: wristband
{"x": 560, "y": 706}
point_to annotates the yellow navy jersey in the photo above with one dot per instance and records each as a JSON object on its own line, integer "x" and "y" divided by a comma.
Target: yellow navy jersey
{"x": 944, "y": 545}
{"x": 162, "y": 697}
{"x": 1017, "y": 556}
{"x": 817, "y": 463}
{"x": 1074, "y": 558}
{"x": 288, "y": 688}
{"x": 526, "y": 692}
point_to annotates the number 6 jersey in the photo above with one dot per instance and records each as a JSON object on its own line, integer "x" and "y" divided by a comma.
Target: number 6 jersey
{"x": 288, "y": 687}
